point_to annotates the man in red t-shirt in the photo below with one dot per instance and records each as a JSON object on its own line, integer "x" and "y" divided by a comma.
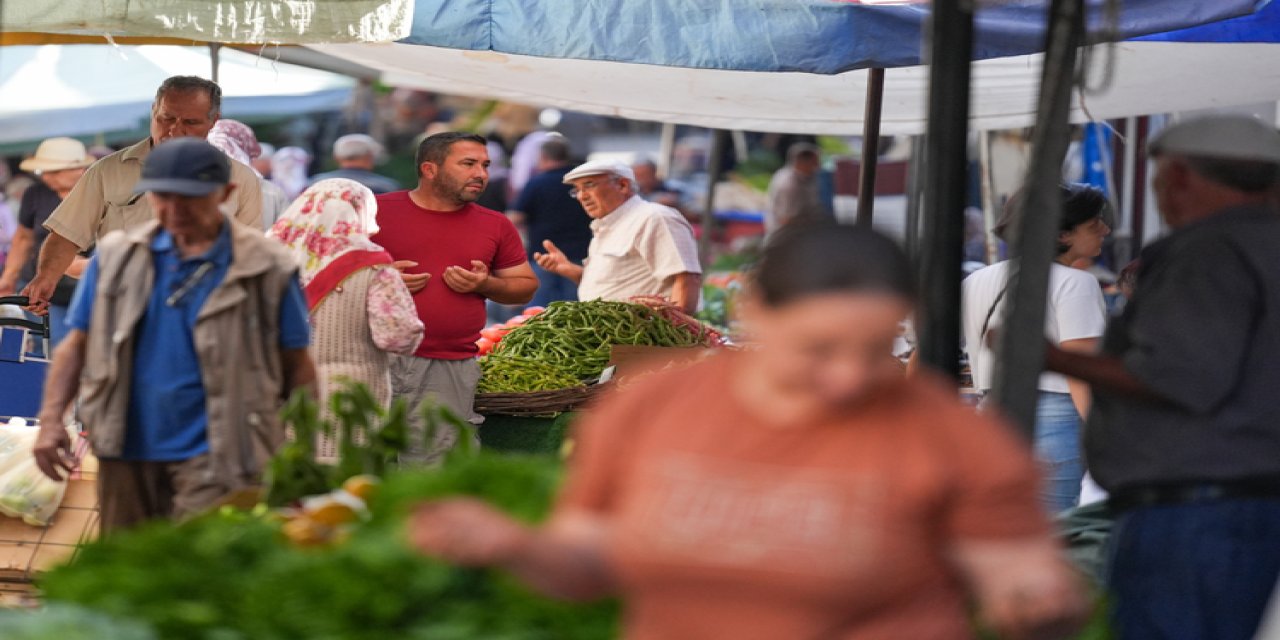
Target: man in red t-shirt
{"x": 453, "y": 254}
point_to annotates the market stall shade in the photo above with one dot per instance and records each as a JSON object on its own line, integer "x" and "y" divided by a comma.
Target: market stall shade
{"x": 757, "y": 94}
{"x": 89, "y": 89}
{"x": 225, "y": 21}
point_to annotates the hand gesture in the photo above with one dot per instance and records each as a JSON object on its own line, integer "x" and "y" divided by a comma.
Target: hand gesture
{"x": 554, "y": 260}
{"x": 466, "y": 531}
{"x": 467, "y": 281}
{"x": 415, "y": 281}
{"x": 53, "y": 449}
{"x": 39, "y": 290}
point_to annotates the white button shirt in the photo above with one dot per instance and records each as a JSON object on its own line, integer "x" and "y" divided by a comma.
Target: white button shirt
{"x": 638, "y": 249}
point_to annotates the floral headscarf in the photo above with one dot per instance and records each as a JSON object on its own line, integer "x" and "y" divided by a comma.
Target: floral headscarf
{"x": 330, "y": 219}
{"x": 240, "y": 133}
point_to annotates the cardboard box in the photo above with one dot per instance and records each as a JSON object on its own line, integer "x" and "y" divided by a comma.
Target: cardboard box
{"x": 630, "y": 361}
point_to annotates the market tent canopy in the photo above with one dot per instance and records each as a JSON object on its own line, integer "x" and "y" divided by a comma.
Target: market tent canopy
{"x": 222, "y": 21}
{"x": 89, "y": 89}
{"x": 813, "y": 36}
{"x": 1150, "y": 76}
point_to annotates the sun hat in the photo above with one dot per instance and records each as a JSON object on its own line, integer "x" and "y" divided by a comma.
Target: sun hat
{"x": 185, "y": 166}
{"x": 598, "y": 167}
{"x": 58, "y": 154}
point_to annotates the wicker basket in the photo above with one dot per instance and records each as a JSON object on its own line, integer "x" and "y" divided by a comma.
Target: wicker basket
{"x": 536, "y": 404}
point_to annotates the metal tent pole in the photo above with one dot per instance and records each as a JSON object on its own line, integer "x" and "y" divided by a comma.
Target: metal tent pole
{"x": 214, "y": 50}
{"x": 946, "y": 184}
{"x": 870, "y": 147}
{"x": 915, "y": 198}
{"x": 1022, "y": 343}
{"x": 715, "y": 167}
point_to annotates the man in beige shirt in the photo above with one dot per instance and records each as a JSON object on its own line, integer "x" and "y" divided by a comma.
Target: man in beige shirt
{"x": 638, "y": 248}
{"x": 103, "y": 200}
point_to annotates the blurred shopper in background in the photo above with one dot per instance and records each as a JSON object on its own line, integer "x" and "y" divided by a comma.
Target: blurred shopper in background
{"x": 58, "y": 163}
{"x": 804, "y": 488}
{"x": 357, "y": 154}
{"x": 1075, "y": 320}
{"x": 289, "y": 170}
{"x": 794, "y": 192}
{"x": 237, "y": 140}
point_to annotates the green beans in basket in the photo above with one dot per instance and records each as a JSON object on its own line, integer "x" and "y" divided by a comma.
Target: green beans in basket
{"x": 508, "y": 374}
{"x": 576, "y": 336}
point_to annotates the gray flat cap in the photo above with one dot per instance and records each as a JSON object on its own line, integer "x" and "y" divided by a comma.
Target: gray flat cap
{"x": 1230, "y": 137}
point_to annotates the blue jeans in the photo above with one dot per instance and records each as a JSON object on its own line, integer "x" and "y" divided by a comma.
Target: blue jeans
{"x": 552, "y": 287}
{"x": 1201, "y": 571}
{"x": 1057, "y": 447}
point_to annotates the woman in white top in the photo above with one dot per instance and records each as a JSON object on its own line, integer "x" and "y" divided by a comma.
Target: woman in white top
{"x": 1074, "y": 319}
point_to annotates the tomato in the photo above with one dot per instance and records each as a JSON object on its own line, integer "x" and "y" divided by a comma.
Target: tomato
{"x": 485, "y": 345}
{"x": 492, "y": 334}
{"x": 516, "y": 321}
{"x": 532, "y": 311}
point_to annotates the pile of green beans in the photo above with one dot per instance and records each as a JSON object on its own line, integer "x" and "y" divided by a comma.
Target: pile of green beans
{"x": 576, "y": 337}
{"x": 511, "y": 374}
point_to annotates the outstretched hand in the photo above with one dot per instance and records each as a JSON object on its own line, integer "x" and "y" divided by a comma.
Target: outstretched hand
{"x": 464, "y": 280}
{"x": 554, "y": 260}
{"x": 414, "y": 281}
{"x": 466, "y": 531}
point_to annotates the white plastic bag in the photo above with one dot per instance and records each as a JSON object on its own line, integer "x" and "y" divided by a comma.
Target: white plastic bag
{"x": 16, "y": 441}
{"x": 25, "y": 492}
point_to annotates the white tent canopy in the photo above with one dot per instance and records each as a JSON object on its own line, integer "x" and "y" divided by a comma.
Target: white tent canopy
{"x": 88, "y": 89}
{"x": 226, "y": 21}
{"x": 1150, "y": 77}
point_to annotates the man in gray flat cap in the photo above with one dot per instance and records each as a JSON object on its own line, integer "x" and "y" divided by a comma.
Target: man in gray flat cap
{"x": 1185, "y": 427}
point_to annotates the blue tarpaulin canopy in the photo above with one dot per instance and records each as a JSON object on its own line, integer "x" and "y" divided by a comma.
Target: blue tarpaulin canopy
{"x": 780, "y": 65}
{"x": 812, "y": 36}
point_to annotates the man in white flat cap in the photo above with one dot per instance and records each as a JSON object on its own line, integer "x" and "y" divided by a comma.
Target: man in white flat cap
{"x": 357, "y": 154}
{"x": 1185, "y": 427}
{"x": 58, "y": 163}
{"x": 638, "y": 248}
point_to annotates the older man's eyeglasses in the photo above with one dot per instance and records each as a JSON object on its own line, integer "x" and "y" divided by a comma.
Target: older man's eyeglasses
{"x": 586, "y": 186}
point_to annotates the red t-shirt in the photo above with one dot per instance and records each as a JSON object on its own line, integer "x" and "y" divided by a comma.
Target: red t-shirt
{"x": 439, "y": 239}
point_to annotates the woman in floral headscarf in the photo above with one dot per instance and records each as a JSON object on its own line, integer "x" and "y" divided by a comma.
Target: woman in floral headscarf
{"x": 360, "y": 309}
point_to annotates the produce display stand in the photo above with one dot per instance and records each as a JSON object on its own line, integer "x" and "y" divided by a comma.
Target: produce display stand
{"x": 538, "y": 422}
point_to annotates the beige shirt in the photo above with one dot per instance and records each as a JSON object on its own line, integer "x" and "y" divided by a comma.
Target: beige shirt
{"x": 103, "y": 200}
{"x": 638, "y": 250}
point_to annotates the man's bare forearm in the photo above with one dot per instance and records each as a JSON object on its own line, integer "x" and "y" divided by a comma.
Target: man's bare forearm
{"x": 510, "y": 289}
{"x": 299, "y": 371}
{"x": 686, "y": 291}
{"x": 55, "y": 256}
{"x": 63, "y": 380}
{"x": 1103, "y": 372}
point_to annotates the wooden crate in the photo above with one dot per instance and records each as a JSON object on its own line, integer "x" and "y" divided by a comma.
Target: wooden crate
{"x": 25, "y": 551}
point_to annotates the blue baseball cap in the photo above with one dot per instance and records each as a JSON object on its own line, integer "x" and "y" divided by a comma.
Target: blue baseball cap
{"x": 185, "y": 166}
